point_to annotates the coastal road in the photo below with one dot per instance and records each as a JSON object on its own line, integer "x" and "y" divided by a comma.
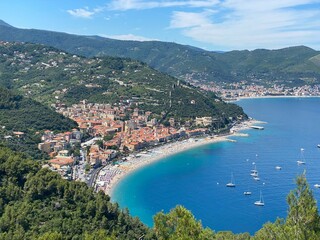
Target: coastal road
{"x": 93, "y": 176}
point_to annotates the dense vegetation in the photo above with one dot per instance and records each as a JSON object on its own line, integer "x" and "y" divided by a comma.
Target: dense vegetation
{"x": 35, "y": 203}
{"x": 290, "y": 66}
{"x": 49, "y": 76}
{"x": 19, "y": 114}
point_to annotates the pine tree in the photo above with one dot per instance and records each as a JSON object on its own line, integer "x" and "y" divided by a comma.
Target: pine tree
{"x": 303, "y": 217}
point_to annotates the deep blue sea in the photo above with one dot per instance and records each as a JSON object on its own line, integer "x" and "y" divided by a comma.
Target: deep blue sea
{"x": 197, "y": 178}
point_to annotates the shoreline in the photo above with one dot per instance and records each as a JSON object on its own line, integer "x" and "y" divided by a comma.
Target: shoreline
{"x": 272, "y": 96}
{"x": 113, "y": 175}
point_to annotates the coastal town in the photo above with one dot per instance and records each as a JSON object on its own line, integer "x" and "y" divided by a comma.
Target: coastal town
{"x": 108, "y": 139}
{"x": 113, "y": 140}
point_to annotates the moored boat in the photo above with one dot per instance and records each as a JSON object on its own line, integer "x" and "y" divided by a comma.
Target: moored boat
{"x": 257, "y": 127}
{"x": 302, "y": 160}
{"x": 260, "y": 202}
{"x": 256, "y": 178}
{"x": 231, "y": 183}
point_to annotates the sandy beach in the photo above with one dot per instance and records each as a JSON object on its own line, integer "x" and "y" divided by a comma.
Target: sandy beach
{"x": 110, "y": 176}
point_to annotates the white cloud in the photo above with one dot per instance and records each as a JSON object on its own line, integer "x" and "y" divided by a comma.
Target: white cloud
{"x": 239, "y": 24}
{"x": 231, "y": 24}
{"x": 84, "y": 12}
{"x": 128, "y": 37}
{"x": 124, "y": 5}
{"x": 189, "y": 19}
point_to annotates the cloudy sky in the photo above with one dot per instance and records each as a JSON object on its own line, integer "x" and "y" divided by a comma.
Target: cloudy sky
{"x": 209, "y": 24}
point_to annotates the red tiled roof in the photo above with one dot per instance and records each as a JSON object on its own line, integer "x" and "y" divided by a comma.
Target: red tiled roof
{"x": 62, "y": 161}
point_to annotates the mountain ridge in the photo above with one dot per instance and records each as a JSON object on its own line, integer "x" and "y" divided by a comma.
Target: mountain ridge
{"x": 183, "y": 61}
{"x": 3, "y": 23}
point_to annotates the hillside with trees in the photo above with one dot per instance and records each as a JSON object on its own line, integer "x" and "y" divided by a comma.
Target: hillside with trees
{"x": 24, "y": 115}
{"x": 291, "y": 66}
{"x": 36, "y": 203}
{"x": 51, "y": 76}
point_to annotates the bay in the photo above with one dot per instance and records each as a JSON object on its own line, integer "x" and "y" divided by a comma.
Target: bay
{"x": 197, "y": 178}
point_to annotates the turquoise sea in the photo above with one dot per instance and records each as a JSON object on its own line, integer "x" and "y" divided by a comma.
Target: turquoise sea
{"x": 197, "y": 178}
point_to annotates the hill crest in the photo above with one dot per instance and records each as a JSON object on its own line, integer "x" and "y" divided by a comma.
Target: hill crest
{"x": 184, "y": 62}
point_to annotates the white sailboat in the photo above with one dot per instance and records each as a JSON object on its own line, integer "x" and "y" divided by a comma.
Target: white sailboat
{"x": 248, "y": 192}
{"x": 302, "y": 160}
{"x": 254, "y": 172}
{"x": 260, "y": 202}
{"x": 231, "y": 183}
{"x": 256, "y": 178}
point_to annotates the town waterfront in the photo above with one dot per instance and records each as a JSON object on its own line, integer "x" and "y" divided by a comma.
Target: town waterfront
{"x": 197, "y": 178}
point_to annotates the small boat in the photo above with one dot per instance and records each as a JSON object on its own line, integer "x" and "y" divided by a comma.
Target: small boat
{"x": 256, "y": 178}
{"x": 318, "y": 145}
{"x": 247, "y": 193}
{"x": 278, "y": 168}
{"x": 317, "y": 185}
{"x": 254, "y": 172}
{"x": 302, "y": 160}
{"x": 257, "y": 127}
{"x": 260, "y": 202}
{"x": 231, "y": 183}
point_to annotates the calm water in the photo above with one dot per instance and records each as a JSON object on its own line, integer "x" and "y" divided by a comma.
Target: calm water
{"x": 197, "y": 178}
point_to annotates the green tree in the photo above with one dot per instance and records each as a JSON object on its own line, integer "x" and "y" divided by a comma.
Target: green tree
{"x": 275, "y": 230}
{"x": 87, "y": 167}
{"x": 303, "y": 216}
{"x": 108, "y": 137}
{"x": 179, "y": 224}
{"x": 98, "y": 235}
{"x": 99, "y": 143}
{"x": 51, "y": 236}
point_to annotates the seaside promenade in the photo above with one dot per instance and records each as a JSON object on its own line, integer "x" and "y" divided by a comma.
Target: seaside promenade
{"x": 110, "y": 176}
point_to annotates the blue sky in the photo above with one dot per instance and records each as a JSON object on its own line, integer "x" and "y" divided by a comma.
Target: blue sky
{"x": 209, "y": 24}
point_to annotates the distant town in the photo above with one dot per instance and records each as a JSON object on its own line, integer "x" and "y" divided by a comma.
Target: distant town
{"x": 245, "y": 89}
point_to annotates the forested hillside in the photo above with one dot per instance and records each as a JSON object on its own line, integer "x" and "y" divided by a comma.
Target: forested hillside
{"x": 36, "y": 203}
{"x": 292, "y": 66}
{"x": 49, "y": 76}
{"x": 20, "y": 114}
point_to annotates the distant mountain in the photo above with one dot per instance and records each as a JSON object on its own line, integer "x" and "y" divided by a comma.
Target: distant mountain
{"x": 3, "y": 23}
{"x": 294, "y": 65}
